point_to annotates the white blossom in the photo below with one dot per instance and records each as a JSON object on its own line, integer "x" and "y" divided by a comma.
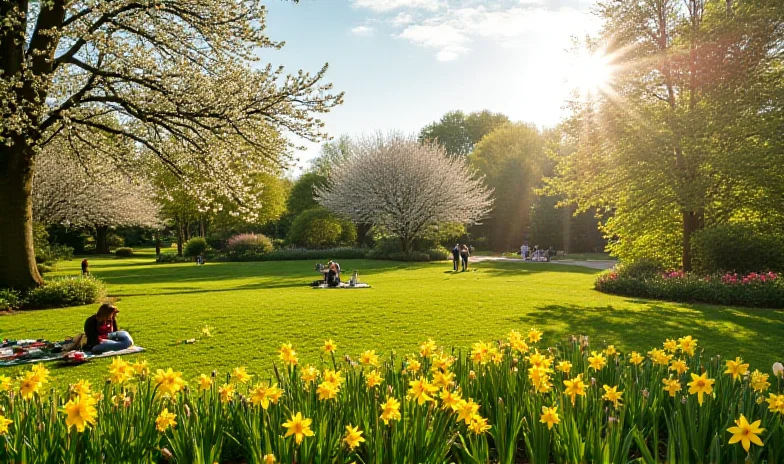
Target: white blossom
{"x": 395, "y": 182}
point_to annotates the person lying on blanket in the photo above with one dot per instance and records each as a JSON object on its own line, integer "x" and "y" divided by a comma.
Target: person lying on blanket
{"x": 102, "y": 333}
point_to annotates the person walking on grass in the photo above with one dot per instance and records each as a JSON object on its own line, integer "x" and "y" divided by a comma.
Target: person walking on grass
{"x": 85, "y": 271}
{"x": 464, "y": 254}
{"x": 102, "y": 333}
{"x": 455, "y": 256}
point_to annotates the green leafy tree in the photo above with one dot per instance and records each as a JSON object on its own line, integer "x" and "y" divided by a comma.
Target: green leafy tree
{"x": 684, "y": 133}
{"x": 511, "y": 159}
{"x": 302, "y": 195}
{"x": 458, "y": 133}
{"x": 318, "y": 228}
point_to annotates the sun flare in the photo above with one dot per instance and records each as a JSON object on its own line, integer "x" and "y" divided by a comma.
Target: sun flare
{"x": 591, "y": 73}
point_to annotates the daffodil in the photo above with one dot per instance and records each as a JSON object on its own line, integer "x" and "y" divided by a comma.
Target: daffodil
{"x": 776, "y": 403}
{"x": 574, "y": 387}
{"x": 413, "y": 364}
{"x": 442, "y": 362}
{"x": 288, "y": 355}
{"x": 478, "y": 425}
{"x": 269, "y": 459}
{"x": 81, "y": 388}
{"x": 534, "y": 335}
{"x": 369, "y": 358}
{"x": 5, "y": 383}
{"x": 759, "y": 381}
{"x": 29, "y": 385}
{"x": 466, "y": 410}
{"x": 701, "y": 385}
{"x": 226, "y": 392}
{"x": 480, "y": 352}
{"x": 390, "y": 410}
{"x": 239, "y": 374}
{"x": 550, "y": 417}
{"x": 309, "y": 374}
{"x": 353, "y": 437}
{"x": 330, "y": 346}
{"x": 4, "y": 423}
{"x": 679, "y": 366}
{"x": 141, "y": 368}
{"x": 41, "y": 373}
{"x": 443, "y": 379}
{"x": 636, "y": 358}
{"x": 660, "y": 357}
{"x": 80, "y": 412}
{"x": 611, "y": 351}
{"x": 687, "y": 344}
{"x": 374, "y": 379}
{"x": 427, "y": 348}
{"x": 327, "y": 391}
{"x": 333, "y": 377}
{"x": 421, "y": 390}
{"x": 165, "y": 420}
{"x": 596, "y": 361}
{"x": 168, "y": 381}
{"x": 299, "y": 427}
{"x": 671, "y": 386}
{"x": 670, "y": 345}
{"x": 612, "y": 394}
{"x": 258, "y": 396}
{"x": 449, "y": 399}
{"x": 565, "y": 367}
{"x": 736, "y": 368}
{"x": 205, "y": 382}
{"x": 120, "y": 371}
{"x": 746, "y": 433}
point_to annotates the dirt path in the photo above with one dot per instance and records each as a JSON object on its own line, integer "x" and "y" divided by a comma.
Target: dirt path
{"x": 593, "y": 264}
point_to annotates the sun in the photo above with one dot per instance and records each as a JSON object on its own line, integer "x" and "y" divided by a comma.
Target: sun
{"x": 591, "y": 73}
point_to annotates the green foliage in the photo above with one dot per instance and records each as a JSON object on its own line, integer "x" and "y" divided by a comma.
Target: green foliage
{"x": 114, "y": 241}
{"x": 439, "y": 254}
{"x": 752, "y": 291}
{"x": 169, "y": 258}
{"x": 43, "y": 268}
{"x": 46, "y": 252}
{"x": 332, "y": 154}
{"x": 411, "y": 256}
{"x": 737, "y": 248}
{"x": 458, "y": 132}
{"x": 441, "y": 235}
{"x": 642, "y": 268}
{"x": 301, "y": 198}
{"x": 195, "y": 246}
{"x": 249, "y": 243}
{"x": 63, "y": 292}
{"x": 293, "y": 254}
{"x": 318, "y": 228}
{"x": 9, "y": 299}
{"x": 123, "y": 252}
{"x": 511, "y": 159}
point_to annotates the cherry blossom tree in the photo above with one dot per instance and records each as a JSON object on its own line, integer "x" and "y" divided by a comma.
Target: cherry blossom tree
{"x": 73, "y": 186}
{"x": 395, "y": 182}
{"x": 150, "y": 72}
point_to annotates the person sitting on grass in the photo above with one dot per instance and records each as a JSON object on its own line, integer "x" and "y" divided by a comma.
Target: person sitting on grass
{"x": 333, "y": 274}
{"x": 102, "y": 333}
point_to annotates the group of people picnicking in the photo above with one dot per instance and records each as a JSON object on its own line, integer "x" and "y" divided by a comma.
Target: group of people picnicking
{"x": 460, "y": 254}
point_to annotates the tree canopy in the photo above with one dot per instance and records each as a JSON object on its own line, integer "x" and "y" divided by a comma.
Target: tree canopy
{"x": 458, "y": 132}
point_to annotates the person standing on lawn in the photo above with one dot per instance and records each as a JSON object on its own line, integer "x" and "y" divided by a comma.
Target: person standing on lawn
{"x": 84, "y": 267}
{"x": 455, "y": 256}
{"x": 102, "y": 333}
{"x": 464, "y": 254}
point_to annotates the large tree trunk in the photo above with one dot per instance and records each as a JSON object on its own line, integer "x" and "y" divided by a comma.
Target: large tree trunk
{"x": 692, "y": 222}
{"x": 101, "y": 247}
{"x": 202, "y": 231}
{"x": 17, "y": 256}
{"x": 179, "y": 237}
{"x": 567, "y": 229}
{"x": 406, "y": 242}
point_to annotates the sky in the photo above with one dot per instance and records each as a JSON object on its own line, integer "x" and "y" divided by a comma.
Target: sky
{"x": 404, "y": 63}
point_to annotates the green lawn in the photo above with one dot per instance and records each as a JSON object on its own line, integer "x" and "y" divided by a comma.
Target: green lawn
{"x": 254, "y": 307}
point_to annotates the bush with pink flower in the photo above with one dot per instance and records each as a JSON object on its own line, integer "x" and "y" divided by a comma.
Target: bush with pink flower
{"x": 249, "y": 243}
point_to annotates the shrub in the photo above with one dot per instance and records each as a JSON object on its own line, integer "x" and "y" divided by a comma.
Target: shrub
{"x": 293, "y": 254}
{"x": 123, "y": 252}
{"x": 737, "y": 248}
{"x": 439, "y": 254}
{"x": 249, "y": 243}
{"x": 65, "y": 291}
{"x": 44, "y": 268}
{"x": 641, "y": 268}
{"x": 114, "y": 241}
{"x": 168, "y": 258}
{"x": 752, "y": 290}
{"x": 318, "y": 228}
{"x": 195, "y": 246}
{"x": 9, "y": 299}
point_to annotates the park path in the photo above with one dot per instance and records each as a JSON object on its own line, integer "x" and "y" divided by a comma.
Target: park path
{"x": 593, "y": 264}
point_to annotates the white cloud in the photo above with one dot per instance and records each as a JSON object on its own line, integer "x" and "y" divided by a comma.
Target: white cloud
{"x": 362, "y": 30}
{"x": 450, "y": 42}
{"x": 402, "y": 19}
{"x": 389, "y": 5}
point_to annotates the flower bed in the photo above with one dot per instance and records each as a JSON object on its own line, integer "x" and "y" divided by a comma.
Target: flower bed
{"x": 758, "y": 290}
{"x": 506, "y": 402}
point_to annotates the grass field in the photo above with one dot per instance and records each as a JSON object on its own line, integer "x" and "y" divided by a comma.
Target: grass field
{"x": 254, "y": 307}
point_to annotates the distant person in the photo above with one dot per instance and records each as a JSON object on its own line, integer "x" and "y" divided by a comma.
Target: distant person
{"x": 333, "y": 274}
{"x": 524, "y": 251}
{"x": 464, "y": 254}
{"x": 199, "y": 260}
{"x": 85, "y": 271}
{"x": 455, "y": 256}
{"x": 157, "y": 248}
{"x": 102, "y": 333}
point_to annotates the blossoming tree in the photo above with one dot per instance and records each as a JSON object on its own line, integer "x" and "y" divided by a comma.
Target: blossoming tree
{"x": 72, "y": 185}
{"x": 395, "y": 182}
{"x": 143, "y": 71}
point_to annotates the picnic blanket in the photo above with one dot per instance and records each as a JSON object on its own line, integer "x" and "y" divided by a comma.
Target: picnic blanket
{"x": 17, "y": 352}
{"x": 343, "y": 285}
